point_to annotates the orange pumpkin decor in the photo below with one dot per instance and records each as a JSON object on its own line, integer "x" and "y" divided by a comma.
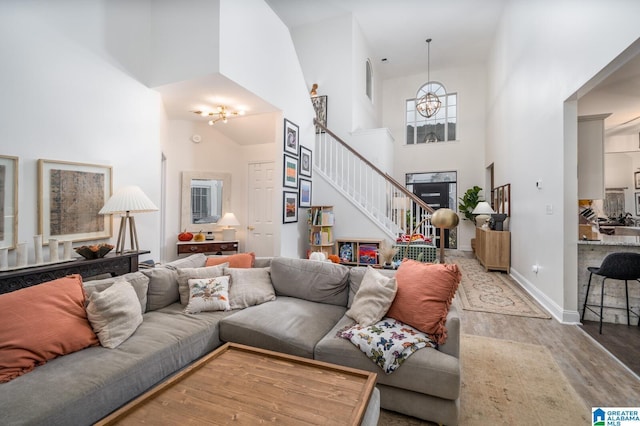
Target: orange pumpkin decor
{"x": 334, "y": 258}
{"x": 199, "y": 237}
{"x": 185, "y": 236}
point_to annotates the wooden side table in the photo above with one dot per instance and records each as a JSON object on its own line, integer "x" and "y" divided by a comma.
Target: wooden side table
{"x": 212, "y": 247}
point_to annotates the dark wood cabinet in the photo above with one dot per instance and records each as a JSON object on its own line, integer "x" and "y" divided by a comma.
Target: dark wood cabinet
{"x": 213, "y": 247}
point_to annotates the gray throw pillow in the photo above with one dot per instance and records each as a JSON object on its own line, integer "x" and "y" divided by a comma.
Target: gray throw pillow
{"x": 185, "y": 274}
{"x": 373, "y": 299}
{"x": 249, "y": 287}
{"x": 114, "y": 313}
{"x": 138, "y": 280}
{"x": 163, "y": 287}
{"x": 197, "y": 260}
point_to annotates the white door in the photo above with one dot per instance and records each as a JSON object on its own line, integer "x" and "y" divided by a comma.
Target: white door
{"x": 261, "y": 220}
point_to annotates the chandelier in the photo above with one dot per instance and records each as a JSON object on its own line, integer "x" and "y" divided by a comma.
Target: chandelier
{"x": 429, "y": 103}
{"x": 220, "y": 114}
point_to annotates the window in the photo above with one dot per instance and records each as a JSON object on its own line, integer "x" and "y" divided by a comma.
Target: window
{"x": 439, "y": 128}
{"x": 369, "y": 80}
{"x": 200, "y": 202}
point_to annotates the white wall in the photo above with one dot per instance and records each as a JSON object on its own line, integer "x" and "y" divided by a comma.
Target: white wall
{"x": 465, "y": 155}
{"x": 70, "y": 92}
{"x": 539, "y": 60}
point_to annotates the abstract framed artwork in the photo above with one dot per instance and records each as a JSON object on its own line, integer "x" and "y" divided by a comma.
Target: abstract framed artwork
{"x": 8, "y": 201}
{"x": 290, "y": 207}
{"x": 70, "y": 195}
{"x": 305, "y": 193}
{"x": 305, "y": 161}
{"x": 290, "y": 173}
{"x": 320, "y": 106}
{"x": 291, "y": 134}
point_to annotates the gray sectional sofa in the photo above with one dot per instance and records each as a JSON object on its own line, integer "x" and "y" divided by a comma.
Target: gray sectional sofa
{"x": 308, "y": 311}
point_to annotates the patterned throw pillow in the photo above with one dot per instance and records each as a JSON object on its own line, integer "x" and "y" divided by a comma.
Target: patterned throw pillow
{"x": 388, "y": 343}
{"x": 208, "y": 294}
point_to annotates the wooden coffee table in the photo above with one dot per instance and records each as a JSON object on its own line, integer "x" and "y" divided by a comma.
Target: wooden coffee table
{"x": 246, "y": 385}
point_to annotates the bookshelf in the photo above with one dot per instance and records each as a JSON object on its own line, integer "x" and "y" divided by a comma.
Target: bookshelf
{"x": 321, "y": 229}
{"x": 358, "y": 251}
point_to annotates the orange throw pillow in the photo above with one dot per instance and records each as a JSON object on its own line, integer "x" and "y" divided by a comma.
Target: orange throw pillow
{"x": 40, "y": 323}
{"x": 240, "y": 260}
{"x": 425, "y": 292}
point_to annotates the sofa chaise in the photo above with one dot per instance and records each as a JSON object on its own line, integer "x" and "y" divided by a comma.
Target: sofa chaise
{"x": 304, "y": 318}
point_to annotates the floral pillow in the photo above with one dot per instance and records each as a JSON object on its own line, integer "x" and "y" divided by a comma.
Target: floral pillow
{"x": 208, "y": 294}
{"x": 388, "y": 343}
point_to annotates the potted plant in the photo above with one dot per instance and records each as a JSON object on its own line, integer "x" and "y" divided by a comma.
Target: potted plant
{"x": 469, "y": 201}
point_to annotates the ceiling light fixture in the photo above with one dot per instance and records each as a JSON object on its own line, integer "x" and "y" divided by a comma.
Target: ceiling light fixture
{"x": 429, "y": 103}
{"x": 221, "y": 114}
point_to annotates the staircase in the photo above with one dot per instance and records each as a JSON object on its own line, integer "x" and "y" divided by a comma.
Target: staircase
{"x": 377, "y": 195}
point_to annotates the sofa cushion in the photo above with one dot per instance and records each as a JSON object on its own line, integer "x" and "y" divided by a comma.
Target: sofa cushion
{"x": 372, "y": 301}
{"x": 208, "y": 294}
{"x": 356, "y": 274}
{"x": 185, "y": 274}
{"x": 323, "y": 282}
{"x": 163, "y": 287}
{"x": 138, "y": 280}
{"x": 249, "y": 287}
{"x": 238, "y": 260}
{"x": 427, "y": 371}
{"x": 54, "y": 324}
{"x": 114, "y": 314}
{"x": 288, "y": 325}
{"x": 425, "y": 292}
{"x": 197, "y": 260}
{"x": 110, "y": 377}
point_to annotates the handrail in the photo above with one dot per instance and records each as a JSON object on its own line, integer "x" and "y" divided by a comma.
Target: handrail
{"x": 388, "y": 177}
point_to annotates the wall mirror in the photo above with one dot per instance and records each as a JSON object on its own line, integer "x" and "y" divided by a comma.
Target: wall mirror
{"x": 205, "y": 198}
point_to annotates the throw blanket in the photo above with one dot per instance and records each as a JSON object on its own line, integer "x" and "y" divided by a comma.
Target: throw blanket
{"x": 388, "y": 342}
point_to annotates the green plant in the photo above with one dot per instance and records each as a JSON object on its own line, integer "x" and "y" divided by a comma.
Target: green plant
{"x": 469, "y": 201}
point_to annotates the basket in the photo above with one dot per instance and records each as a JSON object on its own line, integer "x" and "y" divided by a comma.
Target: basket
{"x": 417, "y": 251}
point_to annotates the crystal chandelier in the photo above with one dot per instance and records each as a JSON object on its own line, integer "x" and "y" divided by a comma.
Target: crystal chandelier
{"x": 221, "y": 114}
{"x": 429, "y": 103}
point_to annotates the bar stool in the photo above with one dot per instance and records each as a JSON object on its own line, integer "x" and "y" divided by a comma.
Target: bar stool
{"x": 617, "y": 266}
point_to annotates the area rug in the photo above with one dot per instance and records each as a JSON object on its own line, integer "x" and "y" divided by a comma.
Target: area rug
{"x": 493, "y": 292}
{"x": 509, "y": 383}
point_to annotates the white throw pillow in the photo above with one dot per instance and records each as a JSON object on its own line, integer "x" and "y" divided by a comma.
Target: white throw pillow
{"x": 373, "y": 299}
{"x": 114, "y": 313}
{"x": 185, "y": 274}
{"x": 249, "y": 286}
{"x": 208, "y": 294}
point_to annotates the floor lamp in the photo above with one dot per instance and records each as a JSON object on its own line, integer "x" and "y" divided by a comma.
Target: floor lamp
{"x": 127, "y": 200}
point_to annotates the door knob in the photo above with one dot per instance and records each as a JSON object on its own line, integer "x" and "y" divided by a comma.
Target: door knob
{"x": 250, "y": 228}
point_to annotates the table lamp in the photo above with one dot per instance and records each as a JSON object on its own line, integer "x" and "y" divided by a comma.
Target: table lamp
{"x": 483, "y": 211}
{"x": 127, "y": 200}
{"x": 228, "y": 220}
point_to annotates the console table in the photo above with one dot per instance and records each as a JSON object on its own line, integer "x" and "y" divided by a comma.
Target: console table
{"x": 493, "y": 249}
{"x": 216, "y": 247}
{"x": 114, "y": 264}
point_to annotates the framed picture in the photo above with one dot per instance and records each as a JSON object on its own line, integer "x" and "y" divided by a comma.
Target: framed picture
{"x": 305, "y": 193}
{"x": 8, "y": 201}
{"x": 290, "y": 137}
{"x": 320, "y": 106}
{"x": 290, "y": 207}
{"x": 290, "y": 179}
{"x": 70, "y": 195}
{"x": 637, "y": 194}
{"x": 305, "y": 161}
{"x": 636, "y": 178}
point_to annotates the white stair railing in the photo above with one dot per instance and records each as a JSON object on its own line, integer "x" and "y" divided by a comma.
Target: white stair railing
{"x": 378, "y": 196}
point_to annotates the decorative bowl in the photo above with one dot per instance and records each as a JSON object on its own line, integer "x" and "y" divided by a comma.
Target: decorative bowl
{"x": 95, "y": 251}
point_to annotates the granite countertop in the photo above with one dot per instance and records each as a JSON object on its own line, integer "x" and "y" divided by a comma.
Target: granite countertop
{"x": 613, "y": 240}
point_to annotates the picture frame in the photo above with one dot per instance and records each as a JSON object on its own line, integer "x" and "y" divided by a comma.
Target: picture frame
{"x": 289, "y": 207}
{"x": 70, "y": 195}
{"x": 8, "y": 202}
{"x": 305, "y": 193}
{"x": 306, "y": 164}
{"x": 320, "y": 107}
{"x": 290, "y": 172}
{"x": 636, "y": 178}
{"x": 291, "y": 137}
{"x": 637, "y": 196}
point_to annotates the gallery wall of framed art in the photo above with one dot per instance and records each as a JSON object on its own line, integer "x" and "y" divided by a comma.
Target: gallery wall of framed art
{"x": 297, "y": 164}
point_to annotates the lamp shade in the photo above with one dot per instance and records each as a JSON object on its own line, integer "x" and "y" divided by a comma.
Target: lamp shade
{"x": 483, "y": 208}
{"x": 229, "y": 219}
{"x": 128, "y": 199}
